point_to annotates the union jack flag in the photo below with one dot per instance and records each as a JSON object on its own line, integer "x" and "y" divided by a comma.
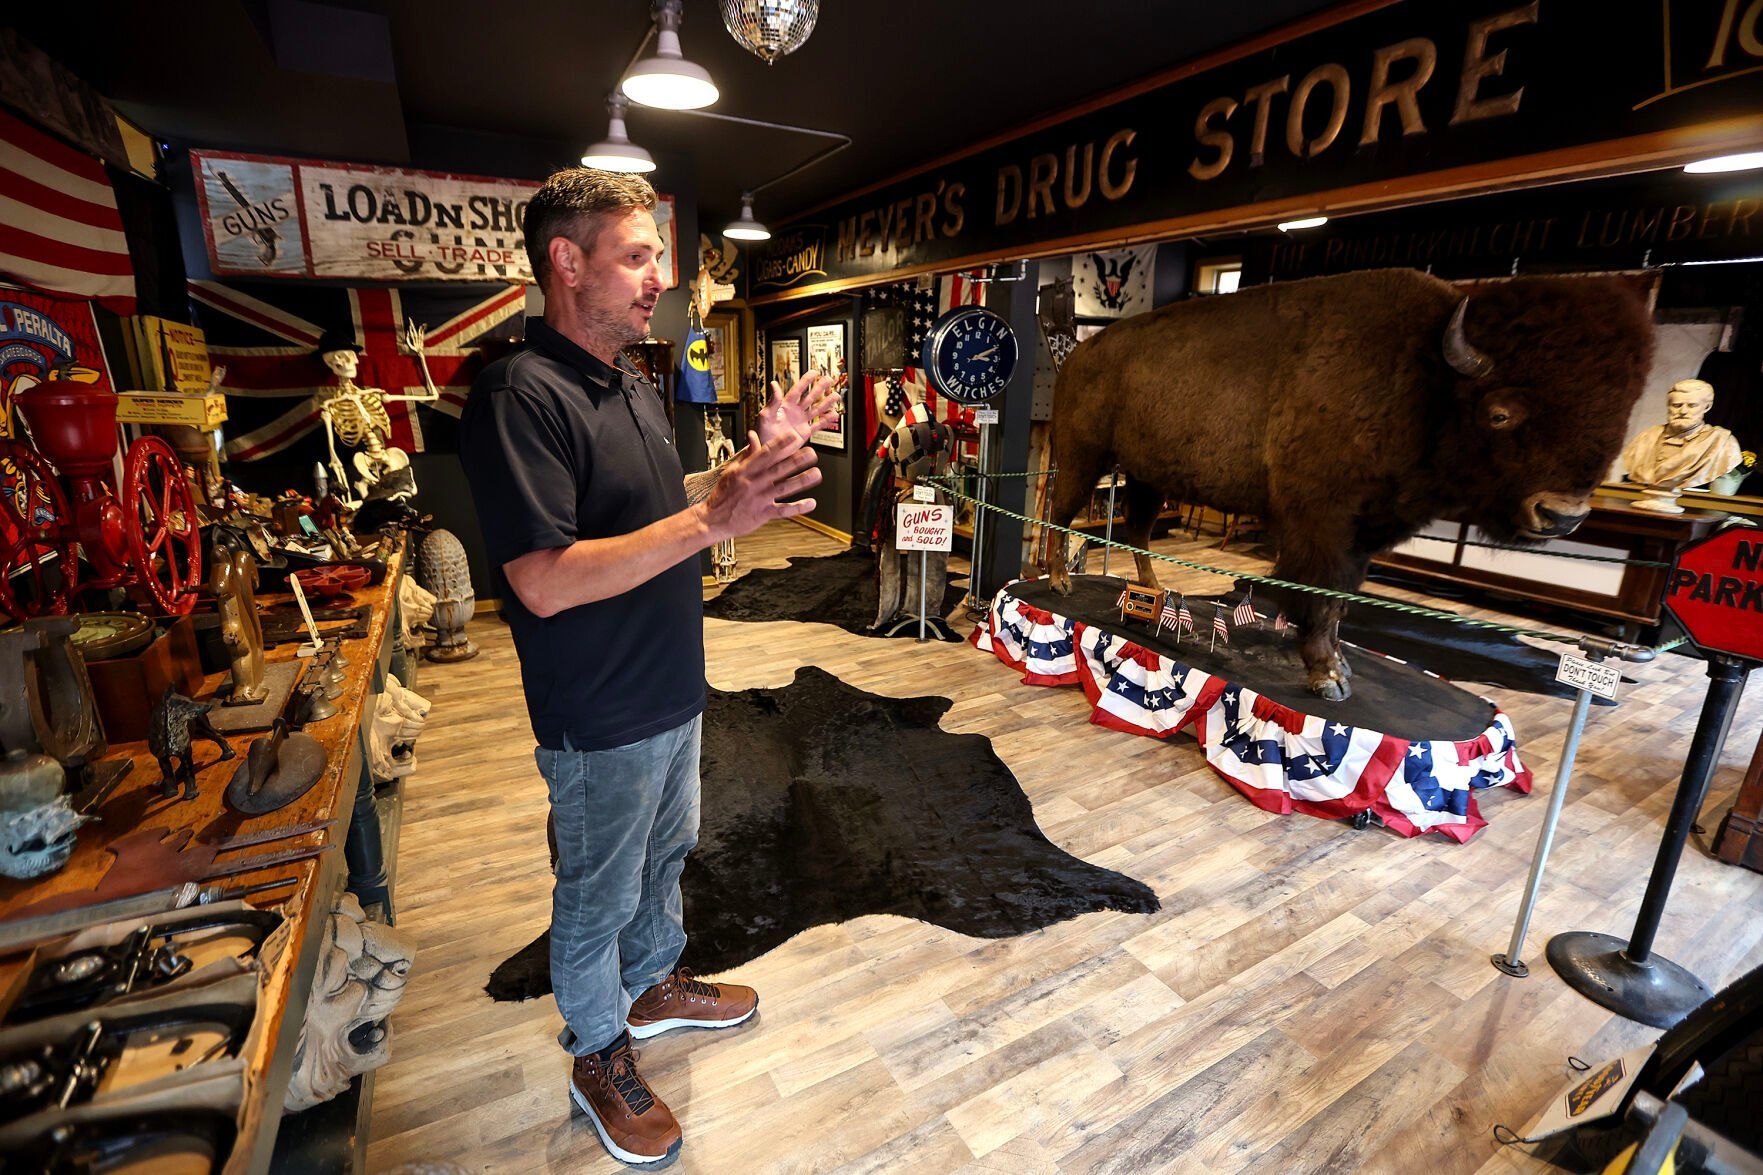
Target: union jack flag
{"x": 266, "y": 335}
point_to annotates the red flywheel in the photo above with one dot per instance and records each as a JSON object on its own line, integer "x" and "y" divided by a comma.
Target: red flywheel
{"x": 159, "y": 517}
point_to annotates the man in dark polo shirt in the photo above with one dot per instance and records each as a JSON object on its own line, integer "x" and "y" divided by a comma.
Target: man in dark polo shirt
{"x": 595, "y": 531}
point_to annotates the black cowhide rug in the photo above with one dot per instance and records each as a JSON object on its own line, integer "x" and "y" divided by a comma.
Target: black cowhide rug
{"x": 823, "y": 803}
{"x": 822, "y": 589}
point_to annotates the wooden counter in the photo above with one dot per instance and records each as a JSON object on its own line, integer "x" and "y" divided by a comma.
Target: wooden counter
{"x": 1629, "y": 595}
{"x": 136, "y": 805}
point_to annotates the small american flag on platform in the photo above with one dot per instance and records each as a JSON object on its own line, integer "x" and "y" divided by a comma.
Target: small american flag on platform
{"x": 1121, "y": 602}
{"x": 1169, "y": 617}
{"x": 1219, "y": 628}
{"x": 1184, "y": 618}
{"x": 1280, "y": 623}
{"x": 1244, "y": 613}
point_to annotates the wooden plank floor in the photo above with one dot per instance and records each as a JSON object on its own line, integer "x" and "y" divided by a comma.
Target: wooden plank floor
{"x": 1309, "y": 998}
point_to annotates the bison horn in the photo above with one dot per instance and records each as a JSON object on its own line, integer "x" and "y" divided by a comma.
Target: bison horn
{"x": 1460, "y": 353}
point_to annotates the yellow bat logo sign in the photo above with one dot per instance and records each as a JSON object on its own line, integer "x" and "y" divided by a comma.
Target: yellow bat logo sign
{"x": 698, "y": 354}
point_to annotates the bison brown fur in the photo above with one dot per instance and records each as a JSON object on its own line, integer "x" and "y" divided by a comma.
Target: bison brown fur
{"x": 1348, "y": 412}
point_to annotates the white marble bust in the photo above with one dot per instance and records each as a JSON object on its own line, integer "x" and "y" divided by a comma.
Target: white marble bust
{"x": 1684, "y": 452}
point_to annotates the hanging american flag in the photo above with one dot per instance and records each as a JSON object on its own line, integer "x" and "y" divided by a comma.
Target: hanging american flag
{"x": 1219, "y": 628}
{"x": 59, "y": 228}
{"x": 266, "y": 335}
{"x": 924, "y": 302}
{"x": 1244, "y": 613}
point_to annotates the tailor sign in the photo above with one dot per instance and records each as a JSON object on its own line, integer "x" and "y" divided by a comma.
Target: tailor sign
{"x": 1716, "y": 592}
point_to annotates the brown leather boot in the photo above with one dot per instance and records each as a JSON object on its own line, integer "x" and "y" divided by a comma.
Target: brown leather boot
{"x": 632, "y": 1122}
{"x": 680, "y": 1001}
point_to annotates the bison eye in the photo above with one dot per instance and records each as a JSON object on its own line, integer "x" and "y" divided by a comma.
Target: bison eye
{"x": 1503, "y": 416}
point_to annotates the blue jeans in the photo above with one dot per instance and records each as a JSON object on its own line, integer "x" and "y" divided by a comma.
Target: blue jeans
{"x": 624, "y": 821}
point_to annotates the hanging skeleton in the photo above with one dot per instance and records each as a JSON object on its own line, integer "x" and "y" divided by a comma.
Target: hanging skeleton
{"x": 720, "y": 449}
{"x": 357, "y": 417}
{"x": 919, "y": 447}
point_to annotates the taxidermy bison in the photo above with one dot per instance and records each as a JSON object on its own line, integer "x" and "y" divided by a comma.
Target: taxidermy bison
{"x": 1347, "y": 412}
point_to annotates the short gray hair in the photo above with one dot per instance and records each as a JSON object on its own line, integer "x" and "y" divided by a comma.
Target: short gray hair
{"x": 574, "y": 204}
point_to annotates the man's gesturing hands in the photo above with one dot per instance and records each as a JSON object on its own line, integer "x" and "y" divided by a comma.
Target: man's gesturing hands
{"x": 748, "y": 494}
{"x": 810, "y": 405}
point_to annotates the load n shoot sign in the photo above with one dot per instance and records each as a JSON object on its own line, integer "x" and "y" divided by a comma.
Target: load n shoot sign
{"x": 1716, "y": 592}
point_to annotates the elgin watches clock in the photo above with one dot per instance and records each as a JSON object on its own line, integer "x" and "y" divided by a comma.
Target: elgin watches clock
{"x": 969, "y": 354}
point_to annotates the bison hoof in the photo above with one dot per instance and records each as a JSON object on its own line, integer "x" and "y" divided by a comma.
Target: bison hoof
{"x": 1061, "y": 583}
{"x": 1331, "y": 689}
{"x": 1341, "y": 668}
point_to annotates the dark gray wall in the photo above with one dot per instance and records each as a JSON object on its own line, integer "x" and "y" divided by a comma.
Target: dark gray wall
{"x": 837, "y": 497}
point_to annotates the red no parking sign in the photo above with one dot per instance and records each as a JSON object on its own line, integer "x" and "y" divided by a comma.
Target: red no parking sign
{"x": 1716, "y": 592}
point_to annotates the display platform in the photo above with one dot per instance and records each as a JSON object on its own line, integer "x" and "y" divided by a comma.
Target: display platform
{"x": 1408, "y": 746}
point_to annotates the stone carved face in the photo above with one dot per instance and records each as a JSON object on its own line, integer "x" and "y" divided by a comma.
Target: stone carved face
{"x": 361, "y": 974}
{"x": 1687, "y": 405}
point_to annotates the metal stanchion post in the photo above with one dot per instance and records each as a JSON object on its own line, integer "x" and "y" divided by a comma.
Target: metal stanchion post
{"x": 1512, "y": 962}
{"x": 1627, "y": 977}
{"x": 974, "y": 603}
{"x": 923, "y": 592}
{"x": 1108, "y": 531}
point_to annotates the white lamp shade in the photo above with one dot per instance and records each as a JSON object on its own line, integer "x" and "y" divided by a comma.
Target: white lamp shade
{"x": 1723, "y": 163}
{"x": 618, "y": 157}
{"x": 616, "y": 152}
{"x": 667, "y": 80}
{"x": 746, "y": 228}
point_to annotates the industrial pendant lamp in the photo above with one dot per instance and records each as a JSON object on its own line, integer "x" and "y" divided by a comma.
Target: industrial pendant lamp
{"x": 616, "y": 152}
{"x": 1747, "y": 161}
{"x": 667, "y": 80}
{"x": 745, "y": 228}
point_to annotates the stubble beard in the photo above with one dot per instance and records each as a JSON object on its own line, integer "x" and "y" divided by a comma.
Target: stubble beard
{"x": 609, "y": 323}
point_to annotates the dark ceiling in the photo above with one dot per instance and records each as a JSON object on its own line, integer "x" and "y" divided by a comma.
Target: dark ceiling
{"x": 519, "y": 86}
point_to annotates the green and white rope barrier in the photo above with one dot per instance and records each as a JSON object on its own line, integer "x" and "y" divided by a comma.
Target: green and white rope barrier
{"x": 1287, "y": 584}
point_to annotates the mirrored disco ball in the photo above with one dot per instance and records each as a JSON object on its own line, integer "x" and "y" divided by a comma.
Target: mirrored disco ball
{"x": 770, "y": 29}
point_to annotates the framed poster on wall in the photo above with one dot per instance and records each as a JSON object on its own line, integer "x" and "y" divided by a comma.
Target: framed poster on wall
{"x": 826, "y": 353}
{"x": 786, "y": 361}
{"x": 724, "y": 333}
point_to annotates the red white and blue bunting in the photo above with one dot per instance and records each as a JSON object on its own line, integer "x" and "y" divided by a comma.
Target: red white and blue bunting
{"x": 1281, "y": 759}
